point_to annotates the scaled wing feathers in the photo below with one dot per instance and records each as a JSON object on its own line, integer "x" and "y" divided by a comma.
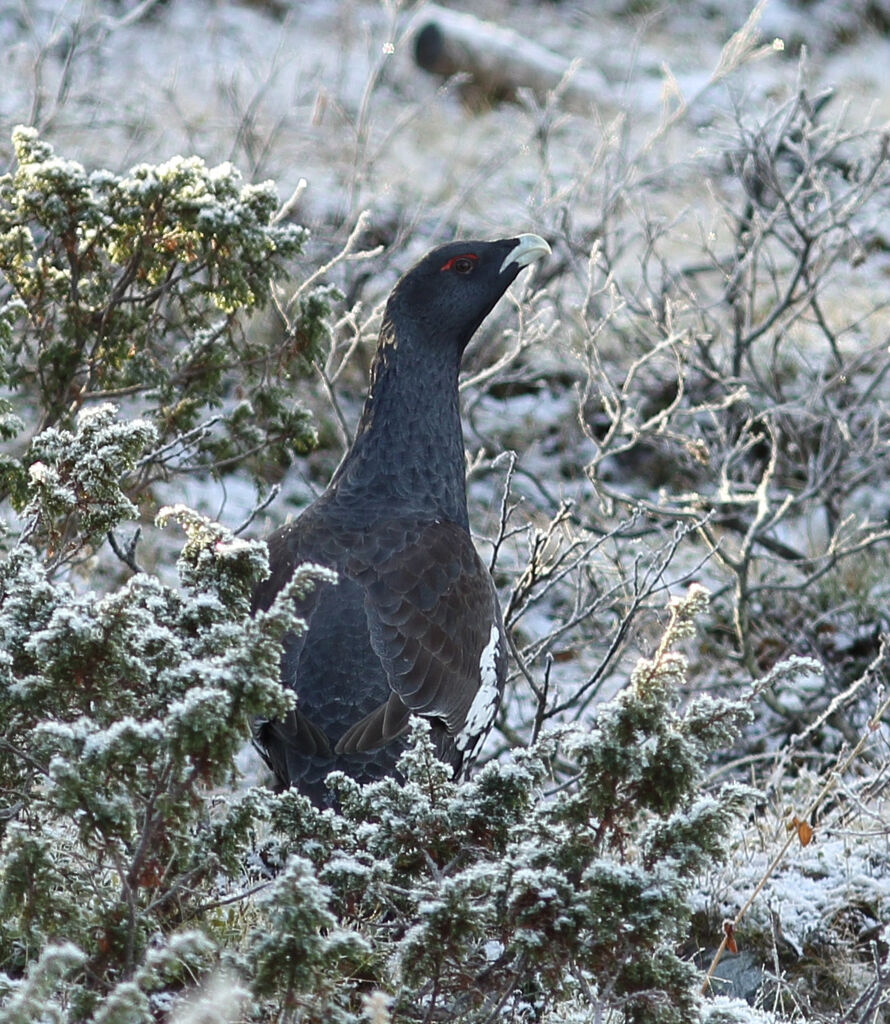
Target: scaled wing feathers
{"x": 430, "y": 606}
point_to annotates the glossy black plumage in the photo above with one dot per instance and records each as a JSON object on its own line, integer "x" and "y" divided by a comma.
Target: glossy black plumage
{"x": 413, "y": 624}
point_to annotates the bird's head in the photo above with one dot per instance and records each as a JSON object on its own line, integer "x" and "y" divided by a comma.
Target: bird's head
{"x": 444, "y": 298}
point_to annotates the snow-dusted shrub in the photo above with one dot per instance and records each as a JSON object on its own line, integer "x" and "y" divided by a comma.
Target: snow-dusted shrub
{"x": 134, "y": 289}
{"x": 122, "y": 708}
{"x": 734, "y": 373}
{"x": 508, "y": 897}
{"x": 120, "y": 713}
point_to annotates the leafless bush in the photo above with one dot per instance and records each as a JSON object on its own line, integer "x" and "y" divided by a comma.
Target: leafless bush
{"x": 731, "y": 419}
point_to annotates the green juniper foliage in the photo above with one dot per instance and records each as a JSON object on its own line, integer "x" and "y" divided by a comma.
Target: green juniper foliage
{"x": 120, "y": 713}
{"x": 137, "y": 874}
{"x": 135, "y": 288}
{"x": 492, "y": 894}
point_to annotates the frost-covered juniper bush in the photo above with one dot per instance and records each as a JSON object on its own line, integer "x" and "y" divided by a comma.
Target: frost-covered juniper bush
{"x": 412, "y": 625}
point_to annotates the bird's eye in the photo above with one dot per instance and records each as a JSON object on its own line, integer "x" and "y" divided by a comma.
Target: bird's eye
{"x": 460, "y": 264}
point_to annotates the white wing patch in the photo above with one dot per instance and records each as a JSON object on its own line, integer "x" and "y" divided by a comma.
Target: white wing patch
{"x": 485, "y": 703}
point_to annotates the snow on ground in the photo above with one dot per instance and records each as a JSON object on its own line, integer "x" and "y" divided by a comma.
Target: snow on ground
{"x": 287, "y": 97}
{"x": 328, "y": 91}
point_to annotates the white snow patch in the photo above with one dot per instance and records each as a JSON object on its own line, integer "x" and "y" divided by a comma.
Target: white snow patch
{"x": 482, "y": 710}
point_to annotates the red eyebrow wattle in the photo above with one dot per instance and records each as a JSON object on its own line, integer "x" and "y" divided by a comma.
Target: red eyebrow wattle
{"x": 454, "y": 259}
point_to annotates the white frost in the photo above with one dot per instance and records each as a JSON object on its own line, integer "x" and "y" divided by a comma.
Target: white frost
{"x": 482, "y": 710}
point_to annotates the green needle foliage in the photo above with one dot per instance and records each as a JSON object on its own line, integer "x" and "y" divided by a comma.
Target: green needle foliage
{"x": 136, "y": 288}
{"x": 122, "y": 711}
{"x": 492, "y": 897}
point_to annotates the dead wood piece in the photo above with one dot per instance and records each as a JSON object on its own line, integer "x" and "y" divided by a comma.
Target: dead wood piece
{"x": 498, "y": 61}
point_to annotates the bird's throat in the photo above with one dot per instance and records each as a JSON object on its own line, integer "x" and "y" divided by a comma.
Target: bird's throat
{"x": 408, "y": 452}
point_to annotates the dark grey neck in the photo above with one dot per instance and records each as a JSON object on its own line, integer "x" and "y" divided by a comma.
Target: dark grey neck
{"x": 407, "y": 457}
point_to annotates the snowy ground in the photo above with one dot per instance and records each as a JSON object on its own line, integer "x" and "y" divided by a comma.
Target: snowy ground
{"x": 283, "y": 91}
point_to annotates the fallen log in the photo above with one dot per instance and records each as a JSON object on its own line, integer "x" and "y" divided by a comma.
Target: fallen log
{"x": 498, "y": 62}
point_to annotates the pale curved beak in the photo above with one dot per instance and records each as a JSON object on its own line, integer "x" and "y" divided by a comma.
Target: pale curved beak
{"x": 528, "y": 249}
